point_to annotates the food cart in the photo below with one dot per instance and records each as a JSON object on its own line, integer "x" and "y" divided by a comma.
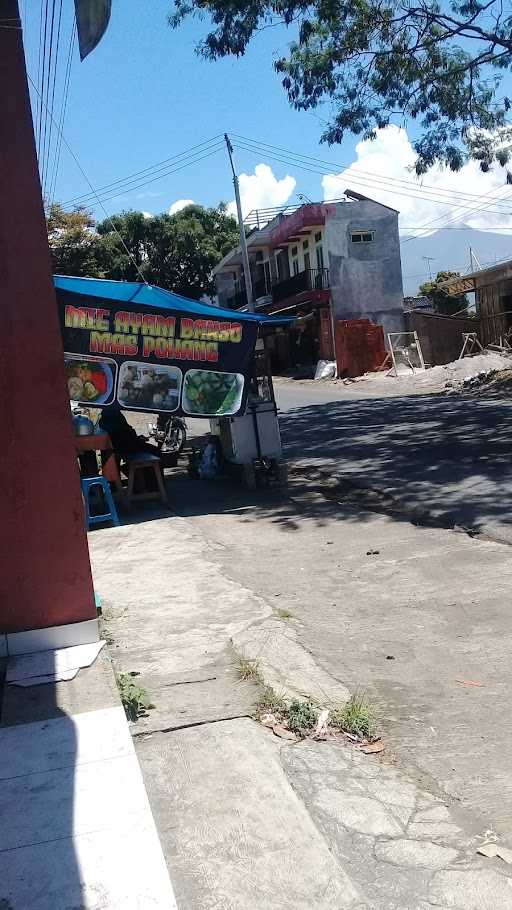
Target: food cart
{"x": 137, "y": 347}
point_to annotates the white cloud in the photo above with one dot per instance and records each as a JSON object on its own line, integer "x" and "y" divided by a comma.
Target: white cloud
{"x": 262, "y": 190}
{"x": 147, "y": 215}
{"x": 179, "y": 205}
{"x": 392, "y": 155}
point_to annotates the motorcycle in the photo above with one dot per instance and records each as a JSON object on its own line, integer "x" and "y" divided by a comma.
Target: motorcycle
{"x": 169, "y": 433}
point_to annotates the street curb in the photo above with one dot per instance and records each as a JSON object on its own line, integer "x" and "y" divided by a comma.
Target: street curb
{"x": 383, "y": 501}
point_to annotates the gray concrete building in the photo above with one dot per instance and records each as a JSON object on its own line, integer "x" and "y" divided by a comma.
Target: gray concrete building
{"x": 325, "y": 262}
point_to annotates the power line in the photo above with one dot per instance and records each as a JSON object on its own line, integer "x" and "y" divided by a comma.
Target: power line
{"x": 393, "y": 181}
{"x": 426, "y": 228}
{"x": 84, "y": 175}
{"x": 359, "y": 180}
{"x": 39, "y": 56}
{"x": 41, "y": 82}
{"x": 63, "y": 109}
{"x": 150, "y": 172}
{"x": 419, "y": 192}
{"x": 52, "y": 104}
{"x": 47, "y": 120}
{"x": 212, "y": 151}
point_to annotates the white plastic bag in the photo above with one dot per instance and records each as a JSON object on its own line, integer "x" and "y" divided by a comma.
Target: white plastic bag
{"x": 325, "y": 369}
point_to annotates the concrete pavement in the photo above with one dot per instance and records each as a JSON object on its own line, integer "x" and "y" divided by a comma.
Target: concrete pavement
{"x": 244, "y": 817}
{"x": 449, "y": 456}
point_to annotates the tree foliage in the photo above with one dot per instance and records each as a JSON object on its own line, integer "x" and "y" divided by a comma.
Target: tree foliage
{"x": 383, "y": 61}
{"x": 443, "y": 302}
{"x": 177, "y": 252}
{"x": 73, "y": 241}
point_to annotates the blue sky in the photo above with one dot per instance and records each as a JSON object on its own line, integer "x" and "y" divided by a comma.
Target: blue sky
{"x": 144, "y": 95}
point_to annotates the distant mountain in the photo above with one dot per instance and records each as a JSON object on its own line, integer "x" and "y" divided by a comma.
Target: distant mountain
{"x": 449, "y": 250}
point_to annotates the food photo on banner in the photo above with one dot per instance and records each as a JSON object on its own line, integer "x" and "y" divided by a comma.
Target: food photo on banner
{"x": 141, "y": 348}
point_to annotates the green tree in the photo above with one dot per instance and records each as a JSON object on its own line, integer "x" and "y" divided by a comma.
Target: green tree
{"x": 124, "y": 246}
{"x": 381, "y": 61}
{"x": 177, "y": 252}
{"x": 73, "y": 242}
{"x": 443, "y": 302}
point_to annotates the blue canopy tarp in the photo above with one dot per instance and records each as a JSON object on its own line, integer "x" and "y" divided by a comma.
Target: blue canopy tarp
{"x": 152, "y": 296}
{"x": 135, "y": 346}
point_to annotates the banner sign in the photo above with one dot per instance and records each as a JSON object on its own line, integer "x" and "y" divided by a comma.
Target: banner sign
{"x": 155, "y": 360}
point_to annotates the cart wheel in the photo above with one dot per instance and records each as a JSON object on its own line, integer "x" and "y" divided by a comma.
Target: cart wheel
{"x": 249, "y": 477}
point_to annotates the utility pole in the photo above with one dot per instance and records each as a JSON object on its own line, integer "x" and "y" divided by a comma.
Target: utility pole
{"x": 243, "y": 240}
{"x": 428, "y": 260}
{"x": 472, "y": 260}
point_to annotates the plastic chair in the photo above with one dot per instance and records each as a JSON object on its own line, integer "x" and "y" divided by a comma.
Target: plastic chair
{"x": 87, "y": 485}
{"x": 141, "y": 462}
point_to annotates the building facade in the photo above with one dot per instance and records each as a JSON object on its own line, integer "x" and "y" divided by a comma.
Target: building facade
{"x": 323, "y": 262}
{"x": 493, "y": 299}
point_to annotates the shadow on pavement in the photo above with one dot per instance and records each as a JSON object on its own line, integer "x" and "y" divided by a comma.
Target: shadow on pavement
{"x": 285, "y": 507}
{"x": 449, "y": 455}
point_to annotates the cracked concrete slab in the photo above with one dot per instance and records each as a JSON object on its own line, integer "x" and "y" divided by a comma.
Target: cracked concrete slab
{"x": 356, "y": 803}
{"x": 413, "y": 853}
{"x": 286, "y": 665}
{"x": 237, "y": 833}
{"x": 169, "y": 616}
{"x": 485, "y": 889}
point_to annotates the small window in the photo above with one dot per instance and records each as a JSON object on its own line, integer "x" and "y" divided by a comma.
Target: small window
{"x": 305, "y": 244}
{"x": 318, "y": 236}
{"x": 362, "y": 236}
{"x": 294, "y": 250}
{"x": 295, "y": 266}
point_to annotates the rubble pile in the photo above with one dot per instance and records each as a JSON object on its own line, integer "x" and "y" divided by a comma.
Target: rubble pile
{"x": 490, "y": 383}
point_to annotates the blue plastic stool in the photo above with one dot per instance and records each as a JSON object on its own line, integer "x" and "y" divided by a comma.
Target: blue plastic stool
{"x": 87, "y": 484}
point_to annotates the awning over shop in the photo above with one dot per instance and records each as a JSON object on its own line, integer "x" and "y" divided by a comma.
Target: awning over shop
{"x": 148, "y": 295}
{"x": 135, "y": 346}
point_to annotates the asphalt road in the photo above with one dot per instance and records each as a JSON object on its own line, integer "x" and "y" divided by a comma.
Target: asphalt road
{"x": 450, "y": 455}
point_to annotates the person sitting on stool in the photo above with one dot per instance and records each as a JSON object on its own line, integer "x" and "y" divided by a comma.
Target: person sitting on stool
{"x": 125, "y": 440}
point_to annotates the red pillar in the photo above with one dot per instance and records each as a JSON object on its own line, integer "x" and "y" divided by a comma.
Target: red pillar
{"x": 45, "y": 575}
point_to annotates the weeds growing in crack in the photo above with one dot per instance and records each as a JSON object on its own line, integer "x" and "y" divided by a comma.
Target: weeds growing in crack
{"x": 301, "y": 717}
{"x": 135, "y": 699}
{"x": 270, "y": 703}
{"x": 358, "y": 717}
{"x": 249, "y": 669}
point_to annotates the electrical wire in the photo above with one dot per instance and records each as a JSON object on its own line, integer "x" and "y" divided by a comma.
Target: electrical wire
{"x": 63, "y": 109}
{"x": 46, "y": 92}
{"x": 175, "y": 170}
{"x": 391, "y": 181}
{"x": 150, "y": 171}
{"x": 84, "y": 175}
{"x": 455, "y": 216}
{"x": 40, "y": 80}
{"x": 440, "y": 221}
{"x": 94, "y": 193}
{"x": 52, "y": 103}
{"x": 359, "y": 180}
